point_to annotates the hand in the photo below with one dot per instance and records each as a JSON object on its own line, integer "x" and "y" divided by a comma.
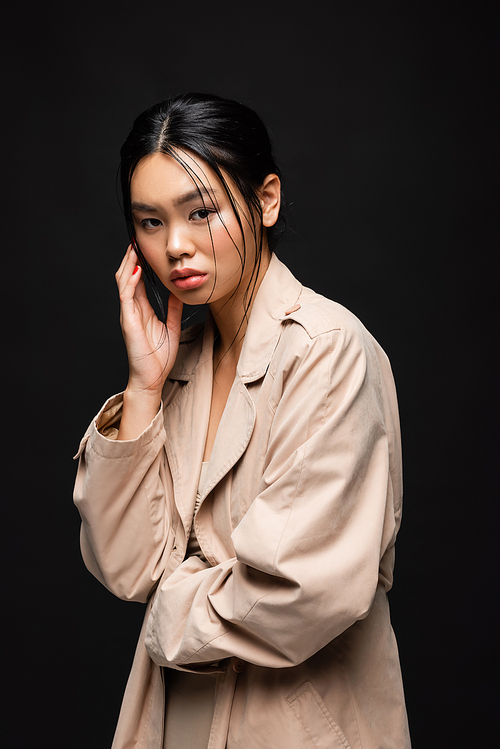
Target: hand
{"x": 151, "y": 346}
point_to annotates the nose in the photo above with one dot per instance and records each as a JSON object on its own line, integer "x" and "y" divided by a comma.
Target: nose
{"x": 179, "y": 242}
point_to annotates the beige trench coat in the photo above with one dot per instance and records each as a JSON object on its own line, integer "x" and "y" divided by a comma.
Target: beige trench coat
{"x": 297, "y": 521}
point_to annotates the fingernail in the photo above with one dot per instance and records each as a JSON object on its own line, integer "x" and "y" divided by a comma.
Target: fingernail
{"x": 135, "y": 270}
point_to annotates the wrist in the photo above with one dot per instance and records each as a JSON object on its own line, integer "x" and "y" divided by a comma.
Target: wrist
{"x": 139, "y": 410}
{"x": 148, "y": 398}
{"x": 143, "y": 404}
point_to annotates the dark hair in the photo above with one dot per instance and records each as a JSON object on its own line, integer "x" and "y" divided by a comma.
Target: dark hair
{"x": 227, "y": 135}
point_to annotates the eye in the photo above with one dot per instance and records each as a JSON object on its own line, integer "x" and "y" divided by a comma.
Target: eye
{"x": 150, "y": 223}
{"x": 201, "y": 214}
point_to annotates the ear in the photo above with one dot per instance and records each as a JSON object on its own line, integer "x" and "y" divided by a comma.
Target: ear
{"x": 270, "y": 199}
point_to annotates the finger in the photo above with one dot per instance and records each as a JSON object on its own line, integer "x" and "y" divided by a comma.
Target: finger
{"x": 128, "y": 262}
{"x": 140, "y": 295}
{"x": 131, "y": 285}
{"x": 174, "y": 314}
{"x": 124, "y": 258}
{"x": 129, "y": 276}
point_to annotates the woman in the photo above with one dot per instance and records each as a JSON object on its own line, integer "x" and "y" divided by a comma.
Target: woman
{"x": 247, "y": 483}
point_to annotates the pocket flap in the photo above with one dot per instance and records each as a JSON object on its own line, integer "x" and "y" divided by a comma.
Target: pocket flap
{"x": 315, "y": 718}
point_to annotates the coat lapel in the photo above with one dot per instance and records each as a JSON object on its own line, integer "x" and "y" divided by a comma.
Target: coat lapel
{"x": 279, "y": 289}
{"x": 186, "y": 417}
{"x": 186, "y": 423}
{"x": 233, "y": 434}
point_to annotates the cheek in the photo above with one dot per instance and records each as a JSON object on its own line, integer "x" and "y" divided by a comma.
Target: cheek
{"x": 153, "y": 253}
{"x": 228, "y": 257}
{"x": 147, "y": 249}
{"x": 227, "y": 240}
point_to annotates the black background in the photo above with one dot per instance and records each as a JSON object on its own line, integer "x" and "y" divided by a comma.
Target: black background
{"x": 385, "y": 121}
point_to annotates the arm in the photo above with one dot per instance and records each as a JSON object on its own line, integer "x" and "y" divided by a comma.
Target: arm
{"x": 122, "y": 494}
{"x": 151, "y": 347}
{"x": 122, "y": 486}
{"x": 308, "y": 549}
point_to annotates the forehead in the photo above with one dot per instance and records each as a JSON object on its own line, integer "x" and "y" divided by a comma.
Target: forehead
{"x": 161, "y": 176}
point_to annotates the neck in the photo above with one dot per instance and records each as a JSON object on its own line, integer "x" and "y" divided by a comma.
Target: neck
{"x": 232, "y": 315}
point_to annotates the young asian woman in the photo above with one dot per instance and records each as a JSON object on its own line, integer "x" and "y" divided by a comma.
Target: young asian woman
{"x": 246, "y": 484}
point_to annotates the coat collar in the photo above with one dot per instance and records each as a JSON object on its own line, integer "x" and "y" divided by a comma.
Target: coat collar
{"x": 187, "y": 415}
{"x": 278, "y": 292}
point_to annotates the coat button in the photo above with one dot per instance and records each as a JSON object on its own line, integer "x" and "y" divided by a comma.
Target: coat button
{"x": 238, "y": 665}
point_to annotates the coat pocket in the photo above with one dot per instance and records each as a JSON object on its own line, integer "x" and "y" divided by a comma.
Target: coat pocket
{"x": 315, "y": 718}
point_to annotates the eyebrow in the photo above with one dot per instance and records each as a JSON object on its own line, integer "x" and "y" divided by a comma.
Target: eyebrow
{"x": 188, "y": 197}
{"x": 195, "y": 195}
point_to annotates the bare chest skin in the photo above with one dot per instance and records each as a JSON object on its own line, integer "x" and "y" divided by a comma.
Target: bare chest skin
{"x": 224, "y": 374}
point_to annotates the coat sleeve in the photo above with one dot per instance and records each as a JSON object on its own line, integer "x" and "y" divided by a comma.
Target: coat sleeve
{"x": 308, "y": 550}
{"x": 124, "y": 546}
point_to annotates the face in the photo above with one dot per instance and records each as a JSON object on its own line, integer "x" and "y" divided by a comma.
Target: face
{"x": 193, "y": 242}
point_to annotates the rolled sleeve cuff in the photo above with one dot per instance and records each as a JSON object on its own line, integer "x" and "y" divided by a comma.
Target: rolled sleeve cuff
{"x": 103, "y": 431}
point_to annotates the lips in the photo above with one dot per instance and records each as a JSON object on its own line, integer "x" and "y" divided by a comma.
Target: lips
{"x": 184, "y": 273}
{"x": 187, "y": 278}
